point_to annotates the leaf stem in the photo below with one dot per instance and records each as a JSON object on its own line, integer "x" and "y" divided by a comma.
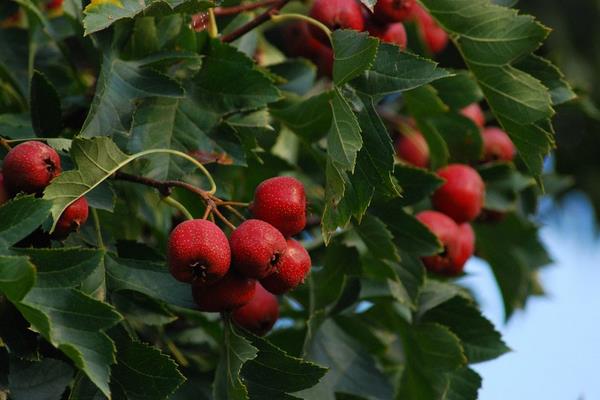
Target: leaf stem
{"x": 177, "y": 205}
{"x": 302, "y": 17}
{"x": 98, "y": 229}
{"x": 233, "y": 10}
{"x": 4, "y": 143}
{"x": 259, "y": 20}
{"x": 213, "y": 29}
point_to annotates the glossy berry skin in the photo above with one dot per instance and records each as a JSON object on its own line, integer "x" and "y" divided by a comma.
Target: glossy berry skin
{"x": 293, "y": 269}
{"x": 4, "y": 196}
{"x": 497, "y": 145}
{"x": 231, "y": 292}
{"x": 451, "y": 260}
{"x": 434, "y": 36}
{"x": 259, "y": 314}
{"x": 281, "y": 202}
{"x": 256, "y": 248}
{"x": 198, "y": 252}
{"x": 474, "y": 113}
{"x": 30, "y": 166}
{"x": 466, "y": 246}
{"x": 393, "y": 10}
{"x": 338, "y": 14}
{"x": 74, "y": 216}
{"x": 462, "y": 196}
{"x": 393, "y": 34}
{"x": 413, "y": 149}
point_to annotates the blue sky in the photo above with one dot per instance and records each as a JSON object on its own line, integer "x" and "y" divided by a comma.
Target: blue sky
{"x": 556, "y": 340}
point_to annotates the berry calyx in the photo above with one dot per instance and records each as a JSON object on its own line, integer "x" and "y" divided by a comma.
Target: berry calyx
{"x": 393, "y": 33}
{"x": 463, "y": 194}
{"x": 231, "y": 292}
{"x": 497, "y": 145}
{"x": 198, "y": 252}
{"x": 30, "y": 166}
{"x": 474, "y": 113}
{"x": 257, "y": 248}
{"x": 337, "y": 14}
{"x": 74, "y": 216}
{"x": 413, "y": 149}
{"x": 393, "y": 10}
{"x": 293, "y": 269}
{"x": 259, "y": 314}
{"x": 451, "y": 260}
{"x": 281, "y": 202}
{"x": 434, "y": 36}
{"x": 4, "y": 196}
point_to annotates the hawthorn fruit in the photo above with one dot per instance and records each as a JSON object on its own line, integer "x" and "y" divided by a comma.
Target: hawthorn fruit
{"x": 413, "y": 149}
{"x": 229, "y": 293}
{"x": 293, "y": 269}
{"x": 30, "y": 166}
{"x": 461, "y": 197}
{"x": 337, "y": 14}
{"x": 259, "y": 314}
{"x": 497, "y": 145}
{"x": 434, "y": 36}
{"x": 393, "y": 10}
{"x": 74, "y": 216}
{"x": 393, "y": 34}
{"x": 198, "y": 252}
{"x": 475, "y": 114}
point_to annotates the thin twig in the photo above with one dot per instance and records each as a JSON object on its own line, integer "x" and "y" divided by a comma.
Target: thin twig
{"x": 4, "y": 143}
{"x": 222, "y": 218}
{"x": 235, "y": 212}
{"x": 234, "y": 10}
{"x": 164, "y": 187}
{"x": 259, "y": 20}
{"x": 207, "y": 212}
{"x": 234, "y": 203}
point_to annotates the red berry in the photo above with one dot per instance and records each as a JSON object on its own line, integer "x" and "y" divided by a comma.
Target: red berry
{"x": 198, "y": 252}
{"x": 300, "y": 42}
{"x": 231, "y": 292}
{"x": 295, "y": 265}
{"x": 475, "y": 114}
{"x": 466, "y": 246}
{"x": 74, "y": 216}
{"x": 256, "y": 248}
{"x": 413, "y": 149}
{"x": 497, "y": 145}
{"x": 434, "y": 36}
{"x": 393, "y": 10}
{"x": 30, "y": 166}
{"x": 4, "y": 196}
{"x": 260, "y": 314}
{"x": 54, "y": 4}
{"x": 463, "y": 194}
{"x": 337, "y": 14}
{"x": 452, "y": 259}
{"x": 281, "y": 202}
{"x": 393, "y": 33}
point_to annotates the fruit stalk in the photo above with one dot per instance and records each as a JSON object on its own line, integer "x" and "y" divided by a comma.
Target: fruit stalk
{"x": 234, "y": 10}
{"x": 259, "y": 20}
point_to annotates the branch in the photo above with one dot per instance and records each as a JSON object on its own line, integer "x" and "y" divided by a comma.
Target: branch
{"x": 259, "y": 20}
{"x": 226, "y": 11}
{"x": 164, "y": 187}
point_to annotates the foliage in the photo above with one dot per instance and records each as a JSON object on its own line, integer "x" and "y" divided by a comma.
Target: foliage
{"x": 129, "y": 86}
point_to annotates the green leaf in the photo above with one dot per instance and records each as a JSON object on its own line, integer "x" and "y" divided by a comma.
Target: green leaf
{"x": 142, "y": 372}
{"x": 513, "y": 250}
{"x": 542, "y": 69}
{"x": 350, "y": 366}
{"x": 396, "y": 71}
{"x": 354, "y": 53}
{"x": 16, "y": 126}
{"x": 99, "y": 15}
{"x": 17, "y": 277}
{"x": 461, "y": 135}
{"x": 45, "y": 379}
{"x": 520, "y": 102}
{"x": 120, "y": 85}
{"x": 310, "y": 119}
{"x": 84, "y": 389}
{"x": 458, "y": 91}
{"x": 464, "y": 385}
{"x": 150, "y": 278}
{"x": 236, "y": 351}
{"x": 417, "y": 183}
{"x": 20, "y": 217}
{"x": 480, "y": 341}
{"x": 503, "y": 183}
{"x": 274, "y": 373}
{"x": 378, "y": 238}
{"x": 14, "y": 58}
{"x": 344, "y": 138}
{"x": 46, "y": 114}
{"x": 96, "y": 159}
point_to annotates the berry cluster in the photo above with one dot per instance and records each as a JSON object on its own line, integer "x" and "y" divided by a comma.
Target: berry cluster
{"x": 386, "y": 22}
{"x": 224, "y": 272}
{"x": 29, "y": 168}
{"x": 461, "y": 198}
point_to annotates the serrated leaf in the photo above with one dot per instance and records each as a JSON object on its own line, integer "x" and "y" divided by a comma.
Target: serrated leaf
{"x": 310, "y": 118}
{"x": 378, "y": 238}
{"x": 142, "y": 372}
{"x": 417, "y": 183}
{"x": 237, "y": 350}
{"x": 17, "y": 277}
{"x": 480, "y": 341}
{"x": 503, "y": 183}
{"x": 464, "y": 385}
{"x": 459, "y": 90}
{"x": 542, "y": 69}
{"x": 150, "y": 278}
{"x": 120, "y": 84}
{"x": 350, "y": 365}
{"x": 396, "y": 71}
{"x": 45, "y": 379}
{"x": 354, "y": 53}
{"x": 20, "y": 217}
{"x": 344, "y": 139}
{"x": 100, "y": 14}
{"x": 46, "y": 114}
{"x": 274, "y": 373}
